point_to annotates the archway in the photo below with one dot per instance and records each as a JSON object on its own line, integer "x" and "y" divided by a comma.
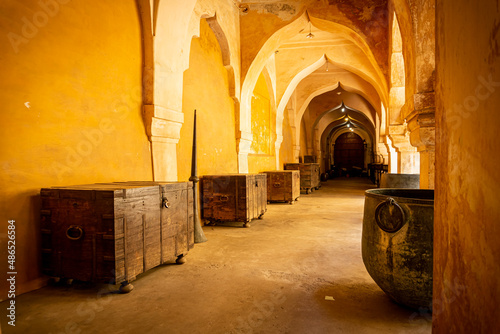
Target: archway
{"x": 407, "y": 155}
{"x": 291, "y": 68}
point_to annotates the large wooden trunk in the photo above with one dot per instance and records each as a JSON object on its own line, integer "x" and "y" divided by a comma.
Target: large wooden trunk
{"x": 114, "y": 232}
{"x": 234, "y": 197}
{"x": 309, "y": 175}
{"x": 283, "y": 186}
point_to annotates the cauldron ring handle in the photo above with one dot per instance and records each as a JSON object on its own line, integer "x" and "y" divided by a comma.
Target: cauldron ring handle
{"x": 390, "y": 228}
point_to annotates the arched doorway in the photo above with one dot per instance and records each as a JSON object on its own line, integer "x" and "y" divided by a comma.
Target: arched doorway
{"x": 349, "y": 153}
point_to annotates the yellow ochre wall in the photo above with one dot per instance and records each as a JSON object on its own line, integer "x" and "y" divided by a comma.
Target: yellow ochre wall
{"x": 263, "y": 156}
{"x": 71, "y": 110}
{"x": 206, "y": 89}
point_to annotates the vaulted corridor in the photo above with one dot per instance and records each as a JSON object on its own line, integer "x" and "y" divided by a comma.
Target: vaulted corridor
{"x": 100, "y": 92}
{"x": 298, "y": 270}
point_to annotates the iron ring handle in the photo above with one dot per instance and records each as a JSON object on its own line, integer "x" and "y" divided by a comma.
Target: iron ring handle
{"x": 397, "y": 224}
{"x": 223, "y": 198}
{"x": 165, "y": 203}
{"x": 277, "y": 184}
{"x": 74, "y": 232}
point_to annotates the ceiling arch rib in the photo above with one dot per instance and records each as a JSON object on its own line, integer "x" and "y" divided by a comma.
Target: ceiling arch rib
{"x": 267, "y": 50}
{"x": 331, "y": 97}
{"x": 346, "y": 103}
{"x": 357, "y": 58}
{"x": 336, "y": 120}
{"x": 319, "y": 83}
{"x": 333, "y": 134}
{"x": 338, "y": 47}
{"x": 365, "y": 62}
{"x": 283, "y": 100}
{"x": 320, "y": 111}
{"x": 291, "y": 73}
{"x": 336, "y": 115}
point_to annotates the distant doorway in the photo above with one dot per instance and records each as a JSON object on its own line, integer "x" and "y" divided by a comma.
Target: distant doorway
{"x": 349, "y": 154}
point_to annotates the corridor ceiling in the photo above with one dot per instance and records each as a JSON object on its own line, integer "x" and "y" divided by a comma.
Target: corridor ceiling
{"x": 339, "y": 58}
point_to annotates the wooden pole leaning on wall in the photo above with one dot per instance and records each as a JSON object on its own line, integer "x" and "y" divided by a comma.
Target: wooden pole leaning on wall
{"x": 199, "y": 236}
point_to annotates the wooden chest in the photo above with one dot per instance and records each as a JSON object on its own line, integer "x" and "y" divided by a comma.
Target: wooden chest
{"x": 309, "y": 159}
{"x": 234, "y": 197}
{"x": 309, "y": 175}
{"x": 114, "y": 232}
{"x": 283, "y": 186}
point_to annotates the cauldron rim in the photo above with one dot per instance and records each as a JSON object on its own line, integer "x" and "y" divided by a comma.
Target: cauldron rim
{"x": 412, "y": 195}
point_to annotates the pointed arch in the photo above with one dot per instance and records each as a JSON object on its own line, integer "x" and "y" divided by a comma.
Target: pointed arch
{"x": 368, "y": 69}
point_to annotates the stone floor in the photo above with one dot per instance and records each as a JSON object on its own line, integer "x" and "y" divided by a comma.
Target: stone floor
{"x": 298, "y": 270}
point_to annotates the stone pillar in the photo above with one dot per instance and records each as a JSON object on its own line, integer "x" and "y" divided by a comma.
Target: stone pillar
{"x": 331, "y": 150}
{"x": 368, "y": 155}
{"x": 163, "y": 127}
{"x": 427, "y": 161}
{"x": 317, "y": 150}
{"x": 421, "y": 124}
{"x": 296, "y": 153}
{"x": 244, "y": 142}
{"x": 392, "y": 156}
{"x": 381, "y": 153}
{"x": 408, "y": 159}
{"x": 277, "y": 146}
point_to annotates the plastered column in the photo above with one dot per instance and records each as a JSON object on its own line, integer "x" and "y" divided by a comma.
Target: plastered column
{"x": 408, "y": 159}
{"x": 427, "y": 171}
{"x": 382, "y": 153}
{"x": 296, "y": 153}
{"x": 277, "y": 146}
{"x": 392, "y": 155}
{"x": 244, "y": 142}
{"x": 163, "y": 128}
{"x": 316, "y": 145}
{"x": 421, "y": 124}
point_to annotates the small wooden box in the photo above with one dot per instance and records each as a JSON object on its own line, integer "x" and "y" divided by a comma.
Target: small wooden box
{"x": 113, "y": 232}
{"x": 233, "y": 197}
{"x": 283, "y": 186}
{"x": 309, "y": 175}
